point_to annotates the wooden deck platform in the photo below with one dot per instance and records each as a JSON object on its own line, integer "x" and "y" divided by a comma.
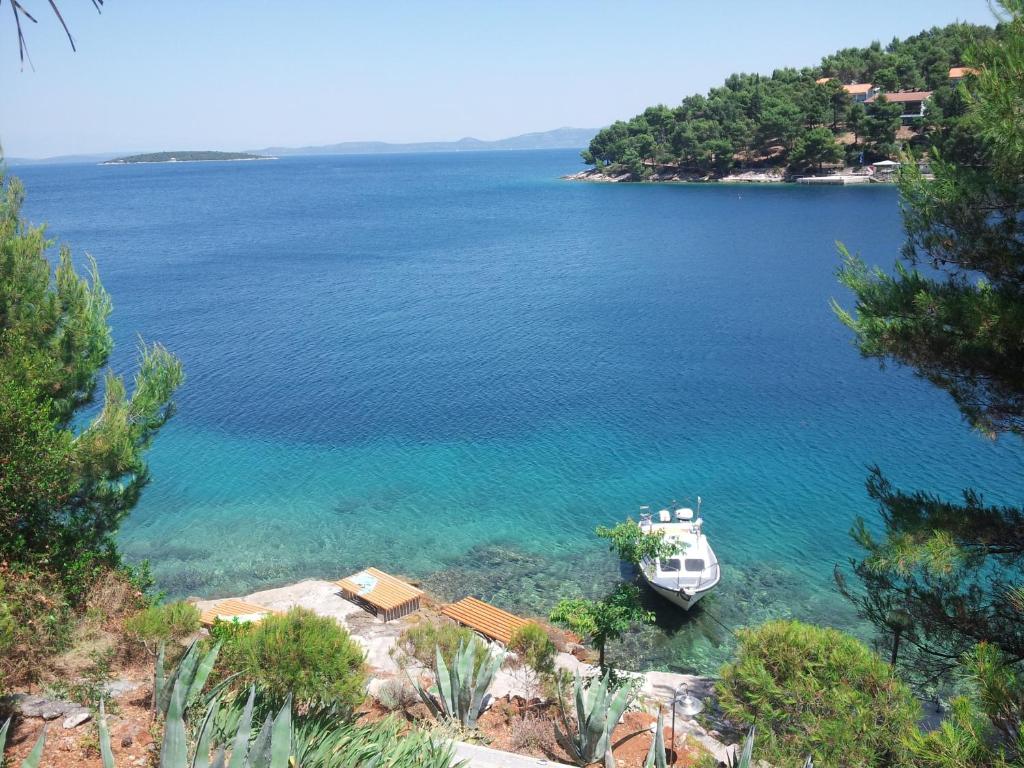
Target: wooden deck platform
{"x": 381, "y": 593}
{"x": 485, "y": 618}
{"x": 226, "y": 610}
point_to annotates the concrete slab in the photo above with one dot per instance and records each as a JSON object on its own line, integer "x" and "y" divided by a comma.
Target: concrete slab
{"x": 485, "y": 757}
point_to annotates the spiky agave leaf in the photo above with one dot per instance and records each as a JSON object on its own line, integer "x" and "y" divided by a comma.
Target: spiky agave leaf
{"x": 185, "y": 670}
{"x": 33, "y": 758}
{"x": 200, "y": 674}
{"x": 656, "y": 754}
{"x": 3, "y": 735}
{"x": 201, "y": 759}
{"x": 106, "y": 753}
{"x": 597, "y": 713}
{"x": 430, "y": 697}
{"x": 281, "y": 737}
{"x": 574, "y": 737}
{"x": 462, "y": 684}
{"x": 240, "y": 745}
{"x": 174, "y": 750}
{"x": 748, "y": 750}
{"x": 484, "y": 677}
{"x": 598, "y": 721}
{"x": 259, "y": 754}
{"x": 159, "y": 678}
{"x": 444, "y": 685}
{"x": 617, "y": 705}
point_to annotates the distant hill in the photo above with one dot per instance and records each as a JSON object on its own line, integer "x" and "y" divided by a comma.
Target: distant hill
{"x": 560, "y": 138}
{"x": 184, "y": 157}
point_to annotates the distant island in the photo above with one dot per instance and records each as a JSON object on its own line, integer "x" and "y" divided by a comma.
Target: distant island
{"x": 559, "y": 138}
{"x": 185, "y": 157}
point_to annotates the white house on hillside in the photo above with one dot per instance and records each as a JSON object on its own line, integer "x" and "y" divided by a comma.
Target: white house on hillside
{"x": 914, "y": 103}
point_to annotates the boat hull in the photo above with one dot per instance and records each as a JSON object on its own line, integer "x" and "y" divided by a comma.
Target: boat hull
{"x": 680, "y": 598}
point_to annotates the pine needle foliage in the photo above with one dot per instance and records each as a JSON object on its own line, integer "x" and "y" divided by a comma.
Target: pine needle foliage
{"x": 952, "y": 310}
{"x": 816, "y": 691}
{"x": 71, "y": 472}
{"x": 300, "y": 654}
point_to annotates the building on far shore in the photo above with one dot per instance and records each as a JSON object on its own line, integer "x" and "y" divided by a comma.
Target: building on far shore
{"x": 956, "y": 74}
{"x": 885, "y": 170}
{"x": 914, "y": 103}
{"x": 860, "y": 92}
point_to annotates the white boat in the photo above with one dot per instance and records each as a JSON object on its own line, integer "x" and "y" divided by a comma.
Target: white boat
{"x": 693, "y": 570}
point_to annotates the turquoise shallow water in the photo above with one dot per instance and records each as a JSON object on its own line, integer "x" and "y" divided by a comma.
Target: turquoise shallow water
{"x": 455, "y": 366}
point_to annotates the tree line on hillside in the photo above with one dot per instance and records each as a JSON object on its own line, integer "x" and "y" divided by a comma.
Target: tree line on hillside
{"x": 802, "y": 118}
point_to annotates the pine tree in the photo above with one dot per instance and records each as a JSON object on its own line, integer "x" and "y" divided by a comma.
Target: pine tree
{"x": 68, "y": 474}
{"x": 947, "y": 576}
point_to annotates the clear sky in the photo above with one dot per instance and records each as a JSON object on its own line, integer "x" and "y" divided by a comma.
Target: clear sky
{"x": 234, "y": 74}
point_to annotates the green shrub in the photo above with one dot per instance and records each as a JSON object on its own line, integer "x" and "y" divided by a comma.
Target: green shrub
{"x": 396, "y": 694}
{"x": 814, "y": 690}
{"x": 36, "y": 623}
{"x": 420, "y": 642}
{"x": 310, "y": 656}
{"x": 227, "y": 631}
{"x": 162, "y": 623}
{"x": 534, "y": 649}
{"x": 90, "y": 688}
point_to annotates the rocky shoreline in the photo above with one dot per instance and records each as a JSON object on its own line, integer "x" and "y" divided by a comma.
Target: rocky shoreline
{"x": 770, "y": 176}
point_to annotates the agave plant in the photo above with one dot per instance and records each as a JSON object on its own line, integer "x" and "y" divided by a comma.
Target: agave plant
{"x": 192, "y": 671}
{"x": 33, "y": 758}
{"x": 743, "y": 759}
{"x": 460, "y": 694}
{"x": 656, "y": 754}
{"x": 320, "y": 741}
{"x": 106, "y": 754}
{"x": 596, "y": 715}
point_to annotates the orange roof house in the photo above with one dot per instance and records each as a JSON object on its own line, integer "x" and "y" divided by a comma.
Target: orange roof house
{"x": 903, "y": 97}
{"x": 956, "y": 74}
{"x": 860, "y": 91}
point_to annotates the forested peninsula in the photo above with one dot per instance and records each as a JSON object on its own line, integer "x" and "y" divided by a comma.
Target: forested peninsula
{"x": 185, "y": 157}
{"x": 859, "y": 106}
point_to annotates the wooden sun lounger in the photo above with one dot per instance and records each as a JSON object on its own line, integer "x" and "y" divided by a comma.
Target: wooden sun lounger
{"x": 226, "y": 610}
{"x": 381, "y": 593}
{"x": 484, "y": 618}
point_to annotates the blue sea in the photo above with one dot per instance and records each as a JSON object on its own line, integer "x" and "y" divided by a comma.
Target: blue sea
{"x": 455, "y": 366}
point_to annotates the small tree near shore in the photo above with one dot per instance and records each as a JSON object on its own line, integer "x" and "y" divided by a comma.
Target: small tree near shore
{"x": 605, "y": 619}
{"x": 633, "y": 545}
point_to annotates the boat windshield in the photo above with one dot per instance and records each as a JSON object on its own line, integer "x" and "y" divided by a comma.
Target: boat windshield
{"x": 670, "y": 564}
{"x": 693, "y": 564}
